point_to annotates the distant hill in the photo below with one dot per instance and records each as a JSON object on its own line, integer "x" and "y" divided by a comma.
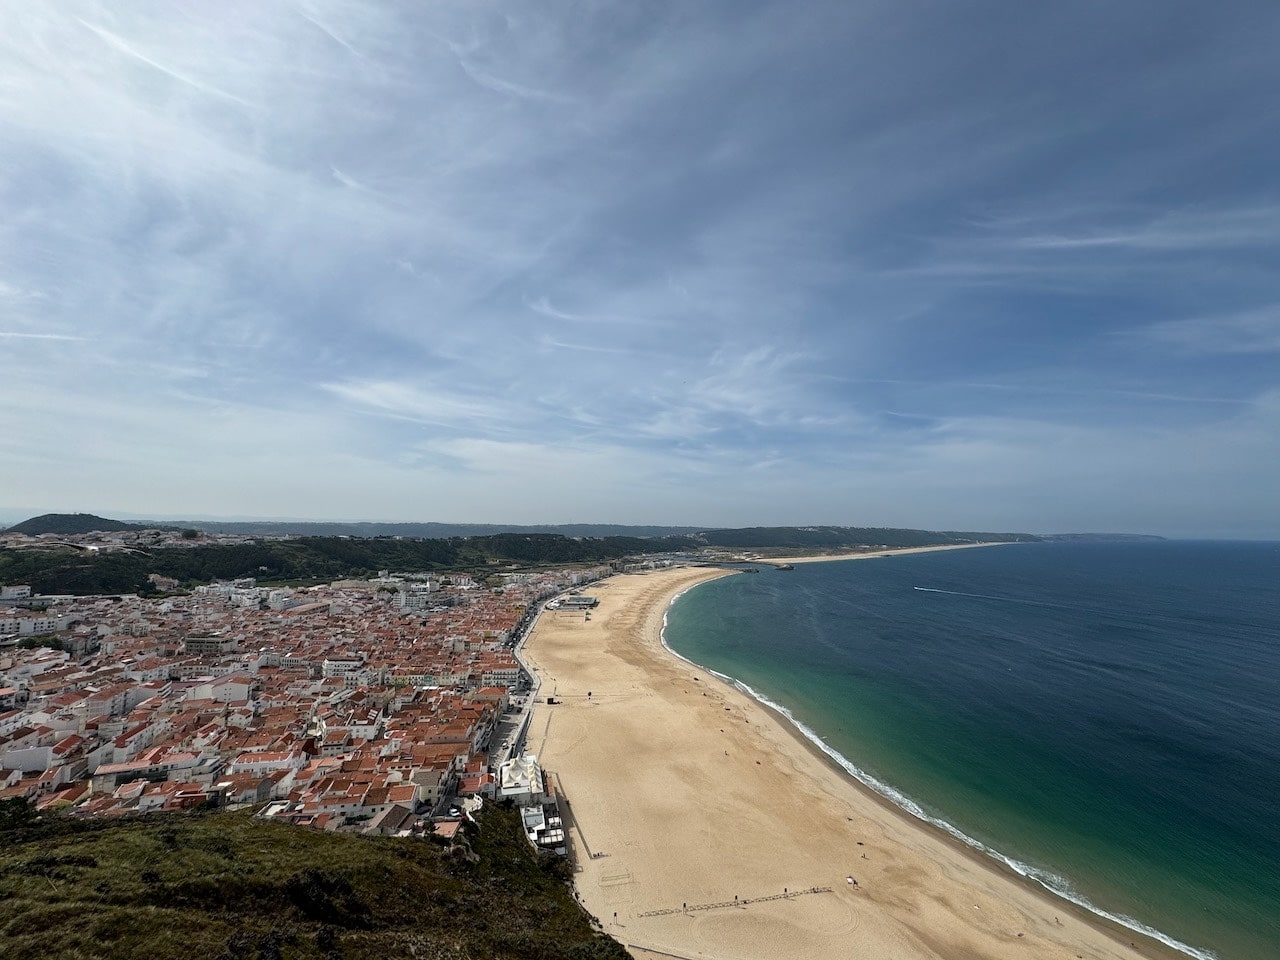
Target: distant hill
{"x": 431, "y": 531}
{"x": 818, "y": 537}
{"x": 846, "y": 538}
{"x": 309, "y": 559}
{"x": 315, "y": 559}
{"x": 675, "y": 538}
{"x": 67, "y": 524}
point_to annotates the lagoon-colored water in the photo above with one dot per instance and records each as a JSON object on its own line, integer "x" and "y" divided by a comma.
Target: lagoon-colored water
{"x": 1103, "y": 716}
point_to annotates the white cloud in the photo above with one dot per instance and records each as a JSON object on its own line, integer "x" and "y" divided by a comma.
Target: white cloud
{"x": 410, "y": 402}
{"x": 20, "y": 335}
{"x": 1250, "y": 332}
{"x": 604, "y": 256}
{"x": 119, "y": 44}
{"x": 1177, "y": 230}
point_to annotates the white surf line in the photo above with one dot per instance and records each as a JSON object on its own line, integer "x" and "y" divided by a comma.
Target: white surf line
{"x": 1055, "y": 884}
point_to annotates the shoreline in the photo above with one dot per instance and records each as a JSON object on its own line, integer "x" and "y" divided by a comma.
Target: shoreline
{"x": 902, "y": 805}
{"x": 1116, "y": 925}
{"x": 887, "y": 552}
{"x": 952, "y": 898}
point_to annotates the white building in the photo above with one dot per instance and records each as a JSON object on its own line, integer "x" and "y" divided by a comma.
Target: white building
{"x": 543, "y": 826}
{"x": 413, "y": 599}
{"x": 520, "y": 780}
{"x": 283, "y": 599}
{"x": 342, "y": 666}
{"x": 35, "y": 626}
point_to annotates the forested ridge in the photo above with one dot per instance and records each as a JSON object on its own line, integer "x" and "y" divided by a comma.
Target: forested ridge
{"x": 55, "y": 570}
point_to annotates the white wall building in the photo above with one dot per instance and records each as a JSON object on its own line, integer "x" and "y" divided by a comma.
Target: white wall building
{"x": 520, "y": 780}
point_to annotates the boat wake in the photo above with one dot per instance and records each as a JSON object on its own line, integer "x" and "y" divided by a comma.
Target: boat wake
{"x": 987, "y": 596}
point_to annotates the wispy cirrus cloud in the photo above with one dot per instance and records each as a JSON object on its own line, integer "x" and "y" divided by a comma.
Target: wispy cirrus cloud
{"x": 1178, "y": 230}
{"x": 117, "y": 43}
{"x": 21, "y": 335}
{"x": 418, "y": 403}
{"x": 483, "y": 251}
{"x": 1250, "y": 332}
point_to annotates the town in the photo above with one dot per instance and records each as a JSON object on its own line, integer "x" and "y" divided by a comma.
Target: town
{"x": 381, "y": 706}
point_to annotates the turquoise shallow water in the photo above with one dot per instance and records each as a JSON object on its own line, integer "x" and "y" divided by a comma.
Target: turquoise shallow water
{"x": 1104, "y": 717}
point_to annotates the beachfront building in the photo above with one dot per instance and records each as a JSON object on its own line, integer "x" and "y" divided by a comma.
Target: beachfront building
{"x": 520, "y": 780}
{"x": 543, "y": 826}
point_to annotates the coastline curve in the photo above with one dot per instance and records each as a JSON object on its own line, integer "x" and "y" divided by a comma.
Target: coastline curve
{"x": 1052, "y": 883}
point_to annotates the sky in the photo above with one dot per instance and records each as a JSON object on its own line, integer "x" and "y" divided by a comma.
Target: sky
{"x": 952, "y": 264}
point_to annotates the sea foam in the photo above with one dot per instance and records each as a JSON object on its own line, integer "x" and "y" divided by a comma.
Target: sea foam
{"x": 1054, "y": 883}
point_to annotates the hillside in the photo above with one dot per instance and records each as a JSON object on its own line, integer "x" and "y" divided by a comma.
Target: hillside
{"x": 673, "y": 538}
{"x": 843, "y": 538}
{"x": 67, "y": 524}
{"x": 229, "y": 887}
{"x": 811, "y": 537}
{"x": 433, "y": 531}
{"x": 315, "y": 559}
{"x": 310, "y": 558}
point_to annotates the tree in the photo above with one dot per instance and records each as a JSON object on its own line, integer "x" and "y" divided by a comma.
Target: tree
{"x": 33, "y": 643}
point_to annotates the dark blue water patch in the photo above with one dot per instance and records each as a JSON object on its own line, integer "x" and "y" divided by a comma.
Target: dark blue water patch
{"x": 1107, "y": 712}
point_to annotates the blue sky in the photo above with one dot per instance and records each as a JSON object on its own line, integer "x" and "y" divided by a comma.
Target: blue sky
{"x": 979, "y": 265}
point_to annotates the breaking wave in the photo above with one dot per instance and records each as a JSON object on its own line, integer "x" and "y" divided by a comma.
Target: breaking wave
{"x": 1056, "y": 884}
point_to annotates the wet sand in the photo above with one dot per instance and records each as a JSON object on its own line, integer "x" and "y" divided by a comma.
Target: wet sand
{"x": 684, "y": 794}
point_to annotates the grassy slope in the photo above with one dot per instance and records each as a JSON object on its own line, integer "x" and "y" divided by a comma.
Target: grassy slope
{"x": 227, "y": 886}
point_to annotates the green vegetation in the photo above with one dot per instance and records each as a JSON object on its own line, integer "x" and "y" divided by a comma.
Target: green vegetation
{"x": 308, "y": 559}
{"x": 837, "y": 538}
{"x": 434, "y": 531}
{"x": 37, "y": 643}
{"x": 68, "y": 524}
{"x": 227, "y": 886}
{"x": 316, "y": 559}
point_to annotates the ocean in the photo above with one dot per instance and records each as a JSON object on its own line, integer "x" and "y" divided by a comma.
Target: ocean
{"x": 1102, "y": 717}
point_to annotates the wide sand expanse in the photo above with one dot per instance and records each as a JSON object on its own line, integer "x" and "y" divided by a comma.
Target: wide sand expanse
{"x": 684, "y": 793}
{"x": 888, "y": 552}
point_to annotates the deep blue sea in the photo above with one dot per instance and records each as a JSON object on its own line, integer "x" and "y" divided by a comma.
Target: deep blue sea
{"x": 1104, "y": 717}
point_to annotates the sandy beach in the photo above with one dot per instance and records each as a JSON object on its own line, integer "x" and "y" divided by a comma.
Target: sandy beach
{"x": 705, "y": 826}
{"x": 871, "y": 554}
